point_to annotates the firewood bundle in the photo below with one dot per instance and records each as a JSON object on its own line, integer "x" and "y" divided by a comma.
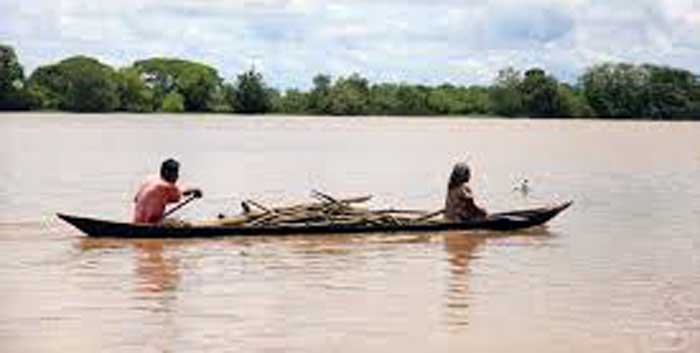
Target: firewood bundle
{"x": 325, "y": 211}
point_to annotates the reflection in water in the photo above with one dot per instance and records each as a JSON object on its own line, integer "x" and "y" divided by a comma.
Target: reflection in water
{"x": 155, "y": 271}
{"x": 157, "y": 276}
{"x": 462, "y": 248}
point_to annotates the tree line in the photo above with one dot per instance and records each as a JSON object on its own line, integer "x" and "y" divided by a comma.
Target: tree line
{"x": 84, "y": 84}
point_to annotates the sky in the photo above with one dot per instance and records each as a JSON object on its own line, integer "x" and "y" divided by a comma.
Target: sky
{"x": 290, "y": 41}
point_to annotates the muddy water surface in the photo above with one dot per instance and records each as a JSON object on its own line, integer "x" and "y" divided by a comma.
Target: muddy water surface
{"x": 618, "y": 272}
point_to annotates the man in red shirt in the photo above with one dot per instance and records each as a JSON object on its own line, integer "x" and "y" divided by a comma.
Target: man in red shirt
{"x": 156, "y": 192}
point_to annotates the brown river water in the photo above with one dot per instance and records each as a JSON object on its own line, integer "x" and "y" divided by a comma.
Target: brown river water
{"x": 618, "y": 272}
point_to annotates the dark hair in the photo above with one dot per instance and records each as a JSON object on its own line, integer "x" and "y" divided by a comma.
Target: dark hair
{"x": 169, "y": 170}
{"x": 461, "y": 173}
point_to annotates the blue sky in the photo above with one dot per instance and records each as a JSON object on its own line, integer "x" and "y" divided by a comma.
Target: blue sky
{"x": 462, "y": 42}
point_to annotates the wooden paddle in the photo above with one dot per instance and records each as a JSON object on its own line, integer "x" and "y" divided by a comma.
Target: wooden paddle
{"x": 180, "y": 205}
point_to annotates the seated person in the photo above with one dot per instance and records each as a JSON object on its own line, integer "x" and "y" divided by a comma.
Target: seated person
{"x": 459, "y": 203}
{"x": 156, "y": 192}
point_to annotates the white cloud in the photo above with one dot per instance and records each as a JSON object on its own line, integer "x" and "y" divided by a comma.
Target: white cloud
{"x": 416, "y": 41}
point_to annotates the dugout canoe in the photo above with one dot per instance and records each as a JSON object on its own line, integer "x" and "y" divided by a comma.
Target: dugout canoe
{"x": 504, "y": 221}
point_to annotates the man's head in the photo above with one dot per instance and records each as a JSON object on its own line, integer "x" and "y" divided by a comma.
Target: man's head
{"x": 170, "y": 170}
{"x": 461, "y": 173}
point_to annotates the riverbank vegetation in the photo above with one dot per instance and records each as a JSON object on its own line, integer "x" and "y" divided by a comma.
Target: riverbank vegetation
{"x": 84, "y": 84}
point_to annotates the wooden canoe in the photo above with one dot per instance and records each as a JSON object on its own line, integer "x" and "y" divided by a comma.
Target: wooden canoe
{"x": 505, "y": 221}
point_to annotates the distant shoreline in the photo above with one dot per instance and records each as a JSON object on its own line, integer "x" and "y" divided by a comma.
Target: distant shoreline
{"x": 281, "y": 115}
{"x": 619, "y": 91}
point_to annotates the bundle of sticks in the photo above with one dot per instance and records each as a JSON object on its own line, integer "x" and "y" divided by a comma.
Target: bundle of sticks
{"x": 325, "y": 210}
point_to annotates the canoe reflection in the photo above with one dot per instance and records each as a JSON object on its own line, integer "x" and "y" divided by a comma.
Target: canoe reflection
{"x": 158, "y": 268}
{"x": 157, "y": 265}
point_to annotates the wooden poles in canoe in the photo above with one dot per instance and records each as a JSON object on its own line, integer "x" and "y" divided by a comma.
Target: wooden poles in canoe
{"x": 327, "y": 210}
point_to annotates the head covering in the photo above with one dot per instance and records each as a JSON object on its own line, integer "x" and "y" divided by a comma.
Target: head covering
{"x": 461, "y": 173}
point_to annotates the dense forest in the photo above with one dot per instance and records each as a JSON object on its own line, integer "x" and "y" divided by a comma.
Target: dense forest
{"x": 84, "y": 84}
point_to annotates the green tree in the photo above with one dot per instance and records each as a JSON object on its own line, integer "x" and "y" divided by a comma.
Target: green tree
{"x": 135, "y": 95}
{"x": 665, "y": 101}
{"x": 11, "y": 72}
{"x": 615, "y": 90}
{"x": 476, "y": 100}
{"x": 319, "y": 97}
{"x": 573, "y": 102}
{"x": 447, "y": 100}
{"x": 694, "y": 108}
{"x": 252, "y": 96}
{"x": 228, "y": 91}
{"x": 49, "y": 84}
{"x": 633, "y": 91}
{"x": 173, "y": 103}
{"x": 413, "y": 100}
{"x": 540, "y": 94}
{"x": 349, "y": 96}
{"x": 14, "y": 95}
{"x": 453, "y": 100}
{"x": 668, "y": 93}
{"x": 293, "y": 101}
{"x": 506, "y": 97}
{"x": 79, "y": 84}
{"x": 399, "y": 99}
{"x": 196, "y": 82}
{"x": 384, "y": 99}
{"x": 219, "y": 101}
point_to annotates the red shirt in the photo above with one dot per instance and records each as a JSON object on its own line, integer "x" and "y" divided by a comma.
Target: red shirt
{"x": 151, "y": 199}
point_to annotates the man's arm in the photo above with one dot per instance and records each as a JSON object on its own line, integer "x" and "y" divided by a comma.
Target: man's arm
{"x": 197, "y": 193}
